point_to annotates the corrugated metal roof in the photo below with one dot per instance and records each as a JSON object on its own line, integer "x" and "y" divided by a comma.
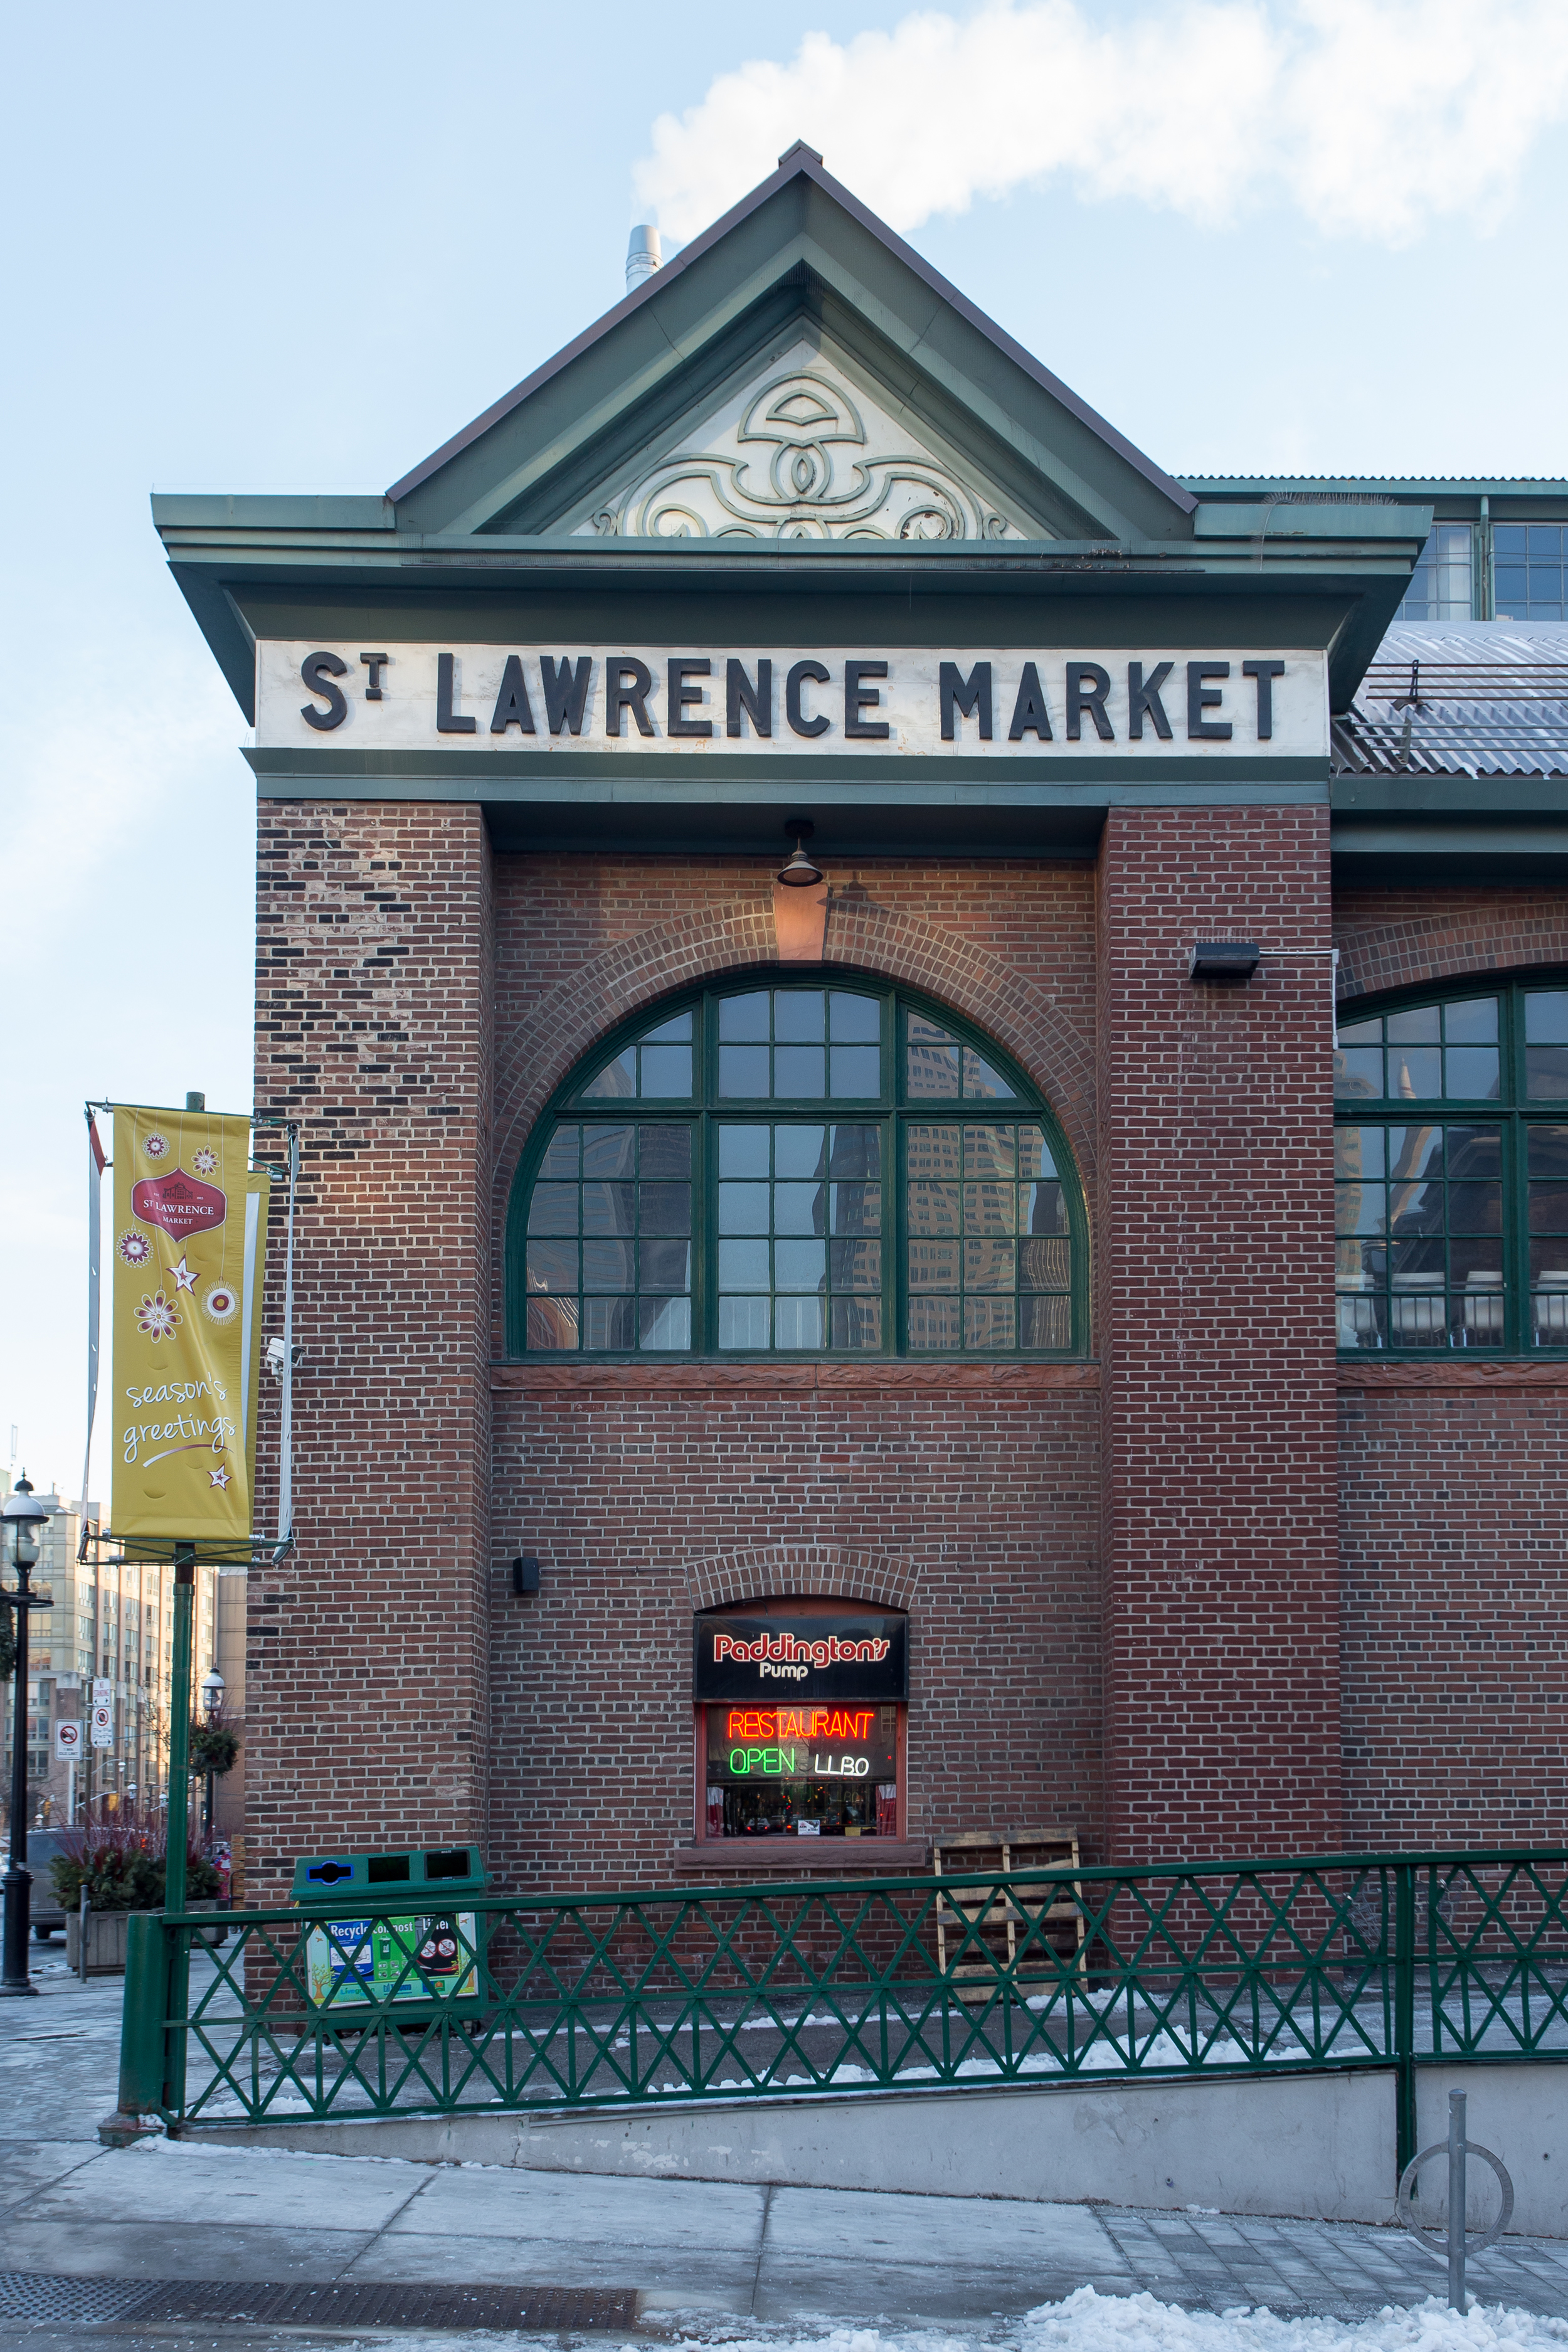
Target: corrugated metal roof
{"x": 1479, "y": 699}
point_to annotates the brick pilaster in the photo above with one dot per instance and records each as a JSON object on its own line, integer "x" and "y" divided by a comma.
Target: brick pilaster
{"x": 1215, "y": 1256}
{"x": 367, "y": 1670}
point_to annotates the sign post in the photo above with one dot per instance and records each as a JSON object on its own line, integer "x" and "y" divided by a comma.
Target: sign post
{"x": 68, "y": 1749}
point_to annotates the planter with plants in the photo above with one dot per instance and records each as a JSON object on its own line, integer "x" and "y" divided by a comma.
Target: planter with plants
{"x": 121, "y": 1868}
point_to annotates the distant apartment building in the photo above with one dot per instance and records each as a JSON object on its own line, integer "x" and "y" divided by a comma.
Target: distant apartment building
{"x": 113, "y": 1621}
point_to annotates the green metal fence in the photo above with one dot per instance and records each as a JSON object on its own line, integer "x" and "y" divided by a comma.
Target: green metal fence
{"x": 605, "y": 2001}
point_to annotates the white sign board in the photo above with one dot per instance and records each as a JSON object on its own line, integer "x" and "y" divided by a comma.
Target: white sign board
{"x": 68, "y": 1737}
{"x": 999, "y": 704}
{"x": 102, "y": 1726}
{"x": 102, "y": 1691}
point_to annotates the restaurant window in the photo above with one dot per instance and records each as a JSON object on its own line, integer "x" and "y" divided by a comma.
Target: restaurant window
{"x": 800, "y": 1720}
{"x": 1451, "y": 1173}
{"x": 797, "y": 1170}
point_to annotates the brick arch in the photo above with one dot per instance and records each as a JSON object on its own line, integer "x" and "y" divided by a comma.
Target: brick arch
{"x": 1448, "y": 935}
{"x": 862, "y": 936}
{"x": 818, "y": 1571}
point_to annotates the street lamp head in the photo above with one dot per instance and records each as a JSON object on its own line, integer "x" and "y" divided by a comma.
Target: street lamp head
{"x": 23, "y": 1515}
{"x": 213, "y": 1688}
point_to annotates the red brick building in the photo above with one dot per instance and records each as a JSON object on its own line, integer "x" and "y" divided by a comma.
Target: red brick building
{"x": 895, "y": 1307}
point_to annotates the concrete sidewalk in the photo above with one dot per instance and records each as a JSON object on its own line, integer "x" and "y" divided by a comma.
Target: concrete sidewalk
{"x": 721, "y": 2253}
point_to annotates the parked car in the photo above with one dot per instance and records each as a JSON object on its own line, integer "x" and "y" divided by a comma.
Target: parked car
{"x": 48, "y": 1912}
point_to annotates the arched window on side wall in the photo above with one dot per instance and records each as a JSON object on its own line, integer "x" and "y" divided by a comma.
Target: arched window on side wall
{"x": 1451, "y": 1168}
{"x": 797, "y": 1170}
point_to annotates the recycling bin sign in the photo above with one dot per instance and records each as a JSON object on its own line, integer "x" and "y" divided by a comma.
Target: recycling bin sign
{"x": 416, "y": 1955}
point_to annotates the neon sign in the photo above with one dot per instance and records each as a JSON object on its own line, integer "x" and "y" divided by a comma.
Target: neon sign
{"x": 788, "y": 1649}
{"x": 798, "y": 1764}
{"x": 752, "y": 1744}
{"x": 845, "y": 1660}
{"x": 799, "y": 1722}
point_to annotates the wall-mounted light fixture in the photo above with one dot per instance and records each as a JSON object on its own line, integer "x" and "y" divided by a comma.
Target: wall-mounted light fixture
{"x": 1225, "y": 960}
{"x": 524, "y": 1575}
{"x": 799, "y": 873}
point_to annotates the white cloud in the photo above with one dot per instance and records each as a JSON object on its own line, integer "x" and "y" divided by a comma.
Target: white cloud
{"x": 1374, "y": 118}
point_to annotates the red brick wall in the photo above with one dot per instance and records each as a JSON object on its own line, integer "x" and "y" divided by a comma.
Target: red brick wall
{"x": 1451, "y": 1481}
{"x": 1184, "y": 1699}
{"x": 1456, "y": 1605}
{"x": 965, "y": 1497}
{"x": 648, "y": 1493}
{"x": 365, "y": 1666}
{"x": 1400, "y": 939}
{"x": 1216, "y": 1220}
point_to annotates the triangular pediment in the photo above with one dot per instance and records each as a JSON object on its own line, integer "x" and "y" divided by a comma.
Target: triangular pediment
{"x": 805, "y": 445}
{"x": 796, "y": 372}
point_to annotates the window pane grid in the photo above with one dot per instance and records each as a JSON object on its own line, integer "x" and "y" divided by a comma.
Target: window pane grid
{"x": 1425, "y": 1053}
{"x": 789, "y": 1230}
{"x": 1452, "y": 1232}
{"x": 658, "y": 1066}
{"x": 799, "y": 1226}
{"x": 608, "y": 1266}
{"x": 987, "y": 1252}
{"x": 800, "y": 1044}
{"x": 1529, "y": 564}
{"x": 1418, "y": 1219}
{"x": 1439, "y": 586}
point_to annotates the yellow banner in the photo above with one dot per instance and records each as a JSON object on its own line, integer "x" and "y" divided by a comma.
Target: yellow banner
{"x": 189, "y": 1235}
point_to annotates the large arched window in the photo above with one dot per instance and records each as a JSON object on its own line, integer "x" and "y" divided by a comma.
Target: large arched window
{"x": 797, "y": 1169}
{"x": 1451, "y": 1162}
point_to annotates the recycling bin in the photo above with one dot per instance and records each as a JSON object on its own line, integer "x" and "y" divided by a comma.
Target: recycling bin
{"x": 410, "y": 1945}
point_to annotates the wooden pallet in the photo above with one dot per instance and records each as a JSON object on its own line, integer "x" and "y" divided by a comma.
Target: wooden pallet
{"x": 996, "y": 1916}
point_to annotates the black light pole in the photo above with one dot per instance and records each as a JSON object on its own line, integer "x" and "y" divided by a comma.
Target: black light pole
{"x": 213, "y": 1689}
{"x": 22, "y": 1518}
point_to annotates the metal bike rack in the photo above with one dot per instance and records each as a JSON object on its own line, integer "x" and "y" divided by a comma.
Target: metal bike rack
{"x": 1458, "y": 2244}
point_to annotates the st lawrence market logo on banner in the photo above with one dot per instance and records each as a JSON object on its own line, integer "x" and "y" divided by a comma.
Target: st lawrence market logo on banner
{"x": 190, "y": 1227}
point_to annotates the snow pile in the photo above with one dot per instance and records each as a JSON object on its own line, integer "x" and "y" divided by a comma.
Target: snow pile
{"x": 1089, "y": 2322}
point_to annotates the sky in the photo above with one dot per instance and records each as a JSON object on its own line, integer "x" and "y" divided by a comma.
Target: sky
{"x": 295, "y": 247}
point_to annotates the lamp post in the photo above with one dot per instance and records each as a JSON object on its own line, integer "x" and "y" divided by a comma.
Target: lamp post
{"x": 22, "y": 1516}
{"x": 213, "y": 1688}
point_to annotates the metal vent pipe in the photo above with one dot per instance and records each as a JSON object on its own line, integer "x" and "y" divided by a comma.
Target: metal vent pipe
{"x": 644, "y": 254}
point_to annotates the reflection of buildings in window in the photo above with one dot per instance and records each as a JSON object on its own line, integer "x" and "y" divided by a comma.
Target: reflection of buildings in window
{"x": 794, "y": 1206}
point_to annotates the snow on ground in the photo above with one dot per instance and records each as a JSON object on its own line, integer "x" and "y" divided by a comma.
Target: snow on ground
{"x": 1088, "y": 2322}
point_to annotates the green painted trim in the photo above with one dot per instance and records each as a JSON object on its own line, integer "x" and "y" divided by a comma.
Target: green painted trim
{"x": 1490, "y": 798}
{"x": 1412, "y": 489}
{"x": 891, "y": 1111}
{"x": 1217, "y": 520}
{"x": 572, "y": 776}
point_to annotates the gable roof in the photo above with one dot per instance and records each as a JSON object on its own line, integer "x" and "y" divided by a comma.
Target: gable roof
{"x": 799, "y": 243}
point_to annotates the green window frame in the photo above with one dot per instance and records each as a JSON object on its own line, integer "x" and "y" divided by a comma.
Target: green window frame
{"x": 1451, "y": 1170}
{"x": 786, "y": 1169}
